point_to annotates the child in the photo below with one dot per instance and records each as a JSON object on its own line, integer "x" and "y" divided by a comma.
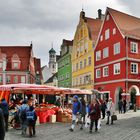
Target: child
{"x": 31, "y": 118}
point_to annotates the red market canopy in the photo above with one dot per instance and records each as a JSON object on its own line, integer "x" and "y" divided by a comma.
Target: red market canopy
{"x": 40, "y": 89}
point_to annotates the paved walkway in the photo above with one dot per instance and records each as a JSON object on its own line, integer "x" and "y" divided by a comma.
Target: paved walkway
{"x": 126, "y": 128}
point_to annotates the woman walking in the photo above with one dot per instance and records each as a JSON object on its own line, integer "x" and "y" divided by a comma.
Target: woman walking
{"x": 94, "y": 114}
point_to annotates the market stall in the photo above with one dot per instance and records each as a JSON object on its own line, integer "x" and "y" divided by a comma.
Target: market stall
{"x": 46, "y": 112}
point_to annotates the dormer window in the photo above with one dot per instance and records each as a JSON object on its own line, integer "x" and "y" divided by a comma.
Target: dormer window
{"x": 16, "y": 62}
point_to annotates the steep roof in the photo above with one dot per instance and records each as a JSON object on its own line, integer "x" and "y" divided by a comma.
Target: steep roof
{"x": 67, "y": 42}
{"x": 94, "y": 26}
{"x": 24, "y": 53}
{"x": 50, "y": 80}
{"x": 128, "y": 24}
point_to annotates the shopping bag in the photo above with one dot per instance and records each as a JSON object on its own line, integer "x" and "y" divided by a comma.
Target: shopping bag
{"x": 99, "y": 124}
{"x": 87, "y": 124}
{"x": 114, "y": 117}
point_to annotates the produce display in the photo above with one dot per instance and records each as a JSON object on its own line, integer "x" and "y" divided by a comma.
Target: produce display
{"x": 46, "y": 112}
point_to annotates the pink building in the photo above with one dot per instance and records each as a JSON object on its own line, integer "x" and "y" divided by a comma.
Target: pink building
{"x": 16, "y": 65}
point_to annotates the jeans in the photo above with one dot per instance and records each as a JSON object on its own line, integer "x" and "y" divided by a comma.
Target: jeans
{"x": 32, "y": 130}
{"x": 82, "y": 119}
{"x": 108, "y": 119}
{"x": 92, "y": 123}
{"x": 24, "y": 127}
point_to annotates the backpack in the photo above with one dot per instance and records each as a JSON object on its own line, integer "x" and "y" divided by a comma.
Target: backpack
{"x": 30, "y": 115}
{"x": 23, "y": 114}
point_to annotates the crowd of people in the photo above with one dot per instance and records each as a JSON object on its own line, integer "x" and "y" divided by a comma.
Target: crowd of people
{"x": 93, "y": 112}
{"x": 81, "y": 112}
{"x": 26, "y": 114}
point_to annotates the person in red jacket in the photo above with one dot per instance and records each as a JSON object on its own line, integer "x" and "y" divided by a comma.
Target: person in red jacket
{"x": 95, "y": 114}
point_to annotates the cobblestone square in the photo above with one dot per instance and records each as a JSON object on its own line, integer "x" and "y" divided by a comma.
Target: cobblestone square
{"x": 126, "y": 128}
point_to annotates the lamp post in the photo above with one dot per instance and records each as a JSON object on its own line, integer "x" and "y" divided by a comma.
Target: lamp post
{"x": 4, "y": 72}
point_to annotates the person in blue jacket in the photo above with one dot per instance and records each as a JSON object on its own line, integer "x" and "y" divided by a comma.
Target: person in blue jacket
{"x": 77, "y": 107}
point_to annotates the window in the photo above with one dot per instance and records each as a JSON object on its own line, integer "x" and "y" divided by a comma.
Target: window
{"x": 107, "y": 17}
{"x": 107, "y": 34}
{"x": 85, "y": 62}
{"x": 81, "y": 65}
{"x": 0, "y": 78}
{"x": 76, "y": 66}
{"x": 114, "y": 31}
{"x": 86, "y": 46}
{"x": 0, "y": 65}
{"x": 89, "y": 60}
{"x": 15, "y": 79}
{"x": 80, "y": 80}
{"x": 105, "y": 52}
{"x": 134, "y": 68}
{"x": 105, "y": 71}
{"x": 8, "y": 79}
{"x": 98, "y": 55}
{"x": 98, "y": 73}
{"x": 117, "y": 68}
{"x": 67, "y": 75}
{"x": 23, "y": 79}
{"x": 117, "y": 48}
{"x": 15, "y": 65}
{"x": 101, "y": 38}
{"x": 134, "y": 47}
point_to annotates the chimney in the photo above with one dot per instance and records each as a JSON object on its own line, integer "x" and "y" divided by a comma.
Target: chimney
{"x": 99, "y": 13}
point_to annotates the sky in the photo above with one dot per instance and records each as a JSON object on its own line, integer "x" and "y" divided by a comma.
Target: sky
{"x": 47, "y": 22}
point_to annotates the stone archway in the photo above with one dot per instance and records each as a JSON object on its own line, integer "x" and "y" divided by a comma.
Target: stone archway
{"x": 134, "y": 90}
{"x": 118, "y": 96}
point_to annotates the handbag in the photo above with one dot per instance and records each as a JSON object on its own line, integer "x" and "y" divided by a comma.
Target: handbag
{"x": 87, "y": 124}
{"x": 114, "y": 117}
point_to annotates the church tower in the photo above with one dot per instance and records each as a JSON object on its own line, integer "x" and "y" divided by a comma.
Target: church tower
{"x": 52, "y": 60}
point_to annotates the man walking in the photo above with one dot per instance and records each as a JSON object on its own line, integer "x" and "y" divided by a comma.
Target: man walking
{"x": 5, "y": 109}
{"x": 120, "y": 105}
{"x": 110, "y": 111}
{"x": 75, "y": 112}
{"x": 22, "y": 114}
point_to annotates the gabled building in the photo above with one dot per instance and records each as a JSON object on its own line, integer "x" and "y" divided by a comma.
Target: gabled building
{"x": 17, "y": 64}
{"x": 82, "y": 57}
{"x": 64, "y": 64}
{"x": 117, "y": 57}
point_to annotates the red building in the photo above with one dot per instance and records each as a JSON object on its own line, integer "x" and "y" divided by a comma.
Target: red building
{"x": 17, "y": 65}
{"x": 117, "y": 57}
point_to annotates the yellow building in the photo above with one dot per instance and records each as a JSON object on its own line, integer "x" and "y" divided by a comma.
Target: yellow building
{"x": 83, "y": 51}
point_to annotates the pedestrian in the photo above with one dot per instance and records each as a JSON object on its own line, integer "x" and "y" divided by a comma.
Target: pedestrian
{"x": 94, "y": 114}
{"x": 120, "y": 106}
{"x": 103, "y": 109}
{"x": 124, "y": 106}
{"x": 2, "y": 128}
{"x": 31, "y": 120}
{"x": 83, "y": 113}
{"x": 110, "y": 111}
{"x": 58, "y": 102}
{"x": 75, "y": 111}
{"x": 22, "y": 115}
{"x": 5, "y": 108}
